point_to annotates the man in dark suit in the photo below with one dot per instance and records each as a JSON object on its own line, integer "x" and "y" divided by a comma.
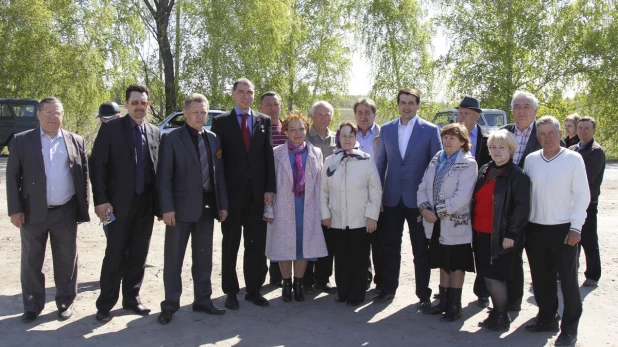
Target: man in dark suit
{"x": 192, "y": 192}
{"x": 47, "y": 194}
{"x": 469, "y": 112}
{"x": 250, "y": 177}
{"x": 123, "y": 175}
{"x": 406, "y": 147}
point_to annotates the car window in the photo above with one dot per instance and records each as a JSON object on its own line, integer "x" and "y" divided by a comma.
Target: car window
{"x": 24, "y": 110}
{"x": 495, "y": 119}
{"x": 480, "y": 121}
{"x": 177, "y": 121}
{"x": 5, "y": 111}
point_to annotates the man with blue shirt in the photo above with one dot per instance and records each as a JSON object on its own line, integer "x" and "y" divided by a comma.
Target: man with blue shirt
{"x": 246, "y": 149}
{"x": 406, "y": 147}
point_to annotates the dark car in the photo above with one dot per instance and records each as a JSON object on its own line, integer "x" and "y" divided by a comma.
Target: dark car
{"x": 16, "y": 115}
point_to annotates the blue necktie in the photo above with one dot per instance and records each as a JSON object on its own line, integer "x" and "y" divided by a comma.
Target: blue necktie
{"x": 139, "y": 153}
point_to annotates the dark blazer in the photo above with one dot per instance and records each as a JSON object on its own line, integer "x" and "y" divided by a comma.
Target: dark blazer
{"x": 482, "y": 150}
{"x": 26, "y": 183}
{"x": 239, "y": 164}
{"x": 594, "y": 159}
{"x": 179, "y": 176}
{"x": 114, "y": 163}
{"x": 401, "y": 177}
{"x": 511, "y": 206}
{"x": 532, "y": 145}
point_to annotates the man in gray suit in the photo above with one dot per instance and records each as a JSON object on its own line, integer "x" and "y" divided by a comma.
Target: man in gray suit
{"x": 192, "y": 193}
{"x": 47, "y": 193}
{"x": 406, "y": 147}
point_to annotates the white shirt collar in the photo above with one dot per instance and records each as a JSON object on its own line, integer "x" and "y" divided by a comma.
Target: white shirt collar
{"x": 410, "y": 122}
{"x": 58, "y": 135}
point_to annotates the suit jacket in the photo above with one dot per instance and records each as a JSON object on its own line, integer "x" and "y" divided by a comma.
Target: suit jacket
{"x": 532, "y": 145}
{"x": 594, "y": 159}
{"x": 179, "y": 175}
{"x": 26, "y": 183}
{"x": 258, "y": 163}
{"x": 114, "y": 164}
{"x": 401, "y": 177}
{"x": 481, "y": 156}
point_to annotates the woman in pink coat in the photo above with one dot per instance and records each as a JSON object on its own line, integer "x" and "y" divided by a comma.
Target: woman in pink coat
{"x": 294, "y": 233}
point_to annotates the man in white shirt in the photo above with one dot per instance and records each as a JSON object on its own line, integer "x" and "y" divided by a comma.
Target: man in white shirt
{"x": 559, "y": 199}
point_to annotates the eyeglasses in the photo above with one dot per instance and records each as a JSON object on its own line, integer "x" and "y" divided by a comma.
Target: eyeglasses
{"x": 52, "y": 113}
{"x": 137, "y": 102}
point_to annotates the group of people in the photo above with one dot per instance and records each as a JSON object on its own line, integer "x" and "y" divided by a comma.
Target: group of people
{"x": 304, "y": 196}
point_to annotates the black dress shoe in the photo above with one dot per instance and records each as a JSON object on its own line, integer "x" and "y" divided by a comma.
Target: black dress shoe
{"x": 29, "y": 316}
{"x": 325, "y": 287}
{"x": 66, "y": 313}
{"x": 538, "y": 326}
{"x": 566, "y": 340}
{"x": 103, "y": 317}
{"x": 308, "y": 290}
{"x": 257, "y": 299}
{"x": 208, "y": 308}
{"x": 341, "y": 299}
{"x": 424, "y": 303}
{"x": 383, "y": 297}
{"x": 276, "y": 283}
{"x": 353, "y": 303}
{"x": 138, "y": 308}
{"x": 483, "y": 302}
{"x": 165, "y": 317}
{"x": 231, "y": 302}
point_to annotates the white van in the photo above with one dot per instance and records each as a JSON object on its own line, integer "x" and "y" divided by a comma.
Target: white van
{"x": 177, "y": 119}
{"x": 490, "y": 118}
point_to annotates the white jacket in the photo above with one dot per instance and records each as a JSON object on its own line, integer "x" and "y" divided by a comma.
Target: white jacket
{"x": 351, "y": 190}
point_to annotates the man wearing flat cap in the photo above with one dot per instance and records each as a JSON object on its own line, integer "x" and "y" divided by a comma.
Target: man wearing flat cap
{"x": 469, "y": 112}
{"x": 108, "y": 111}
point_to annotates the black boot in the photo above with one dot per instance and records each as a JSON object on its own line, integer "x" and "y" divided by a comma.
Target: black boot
{"x": 492, "y": 317}
{"x": 502, "y": 321}
{"x": 298, "y": 289}
{"x": 442, "y": 305}
{"x": 286, "y": 290}
{"x": 453, "y": 311}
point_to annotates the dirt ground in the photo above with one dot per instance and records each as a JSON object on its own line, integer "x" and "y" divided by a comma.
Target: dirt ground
{"x": 319, "y": 321}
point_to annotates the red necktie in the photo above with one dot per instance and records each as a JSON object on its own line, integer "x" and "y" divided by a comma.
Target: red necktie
{"x": 244, "y": 128}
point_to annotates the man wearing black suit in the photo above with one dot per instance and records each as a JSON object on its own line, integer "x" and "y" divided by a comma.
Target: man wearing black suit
{"x": 123, "y": 175}
{"x": 192, "y": 192}
{"x": 248, "y": 160}
{"x": 47, "y": 194}
{"x": 469, "y": 112}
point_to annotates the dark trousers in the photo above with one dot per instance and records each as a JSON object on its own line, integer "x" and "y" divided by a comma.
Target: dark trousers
{"x": 375, "y": 242}
{"x": 480, "y": 289}
{"x": 176, "y": 239}
{"x": 352, "y": 249}
{"x": 275, "y": 272}
{"x": 392, "y": 233}
{"x": 128, "y": 240}
{"x": 549, "y": 255}
{"x": 320, "y": 271}
{"x": 61, "y": 228}
{"x": 590, "y": 243}
{"x": 245, "y": 219}
{"x": 515, "y": 286}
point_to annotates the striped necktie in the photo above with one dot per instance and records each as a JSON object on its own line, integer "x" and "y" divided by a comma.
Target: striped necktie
{"x": 204, "y": 161}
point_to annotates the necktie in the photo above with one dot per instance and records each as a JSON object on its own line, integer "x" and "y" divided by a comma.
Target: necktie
{"x": 139, "y": 156}
{"x": 204, "y": 161}
{"x": 244, "y": 128}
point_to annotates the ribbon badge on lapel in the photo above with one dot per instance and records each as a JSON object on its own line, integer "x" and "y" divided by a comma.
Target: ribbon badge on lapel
{"x": 219, "y": 152}
{"x": 262, "y": 127}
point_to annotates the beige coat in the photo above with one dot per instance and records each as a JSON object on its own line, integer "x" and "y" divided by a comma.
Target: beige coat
{"x": 456, "y": 191}
{"x": 351, "y": 191}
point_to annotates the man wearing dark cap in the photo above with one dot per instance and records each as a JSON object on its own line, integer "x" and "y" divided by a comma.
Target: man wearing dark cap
{"x": 469, "y": 112}
{"x": 108, "y": 111}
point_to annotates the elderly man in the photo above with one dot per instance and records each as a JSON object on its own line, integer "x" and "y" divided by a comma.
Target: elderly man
{"x": 271, "y": 105}
{"x": 559, "y": 198}
{"x": 247, "y": 154}
{"x": 594, "y": 159}
{"x": 405, "y": 149}
{"x": 318, "y": 273}
{"x": 47, "y": 195}
{"x": 368, "y": 137}
{"x": 469, "y": 112}
{"x": 192, "y": 191}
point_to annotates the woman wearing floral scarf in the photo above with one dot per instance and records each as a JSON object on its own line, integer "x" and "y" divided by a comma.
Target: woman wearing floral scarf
{"x": 350, "y": 205}
{"x": 294, "y": 233}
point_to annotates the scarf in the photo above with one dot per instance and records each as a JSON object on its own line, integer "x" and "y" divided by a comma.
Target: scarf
{"x": 353, "y": 153}
{"x": 298, "y": 173}
{"x": 443, "y": 160}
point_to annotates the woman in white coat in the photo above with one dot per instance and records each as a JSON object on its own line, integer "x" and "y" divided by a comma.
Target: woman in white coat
{"x": 350, "y": 205}
{"x": 444, "y": 197}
